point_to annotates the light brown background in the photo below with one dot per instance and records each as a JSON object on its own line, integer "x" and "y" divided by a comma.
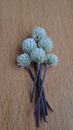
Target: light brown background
{"x": 17, "y": 19}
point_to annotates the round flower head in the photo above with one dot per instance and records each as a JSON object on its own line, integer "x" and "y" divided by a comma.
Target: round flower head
{"x": 52, "y": 59}
{"x": 46, "y": 43}
{"x": 38, "y": 55}
{"x": 23, "y": 60}
{"x": 29, "y": 44}
{"x": 38, "y": 33}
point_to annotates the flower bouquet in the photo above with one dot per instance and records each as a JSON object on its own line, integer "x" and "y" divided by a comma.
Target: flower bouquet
{"x": 35, "y": 49}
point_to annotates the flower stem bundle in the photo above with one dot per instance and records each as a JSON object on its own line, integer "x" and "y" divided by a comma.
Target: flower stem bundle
{"x": 35, "y": 50}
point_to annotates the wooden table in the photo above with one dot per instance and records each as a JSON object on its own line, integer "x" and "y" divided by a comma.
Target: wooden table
{"x": 17, "y": 19}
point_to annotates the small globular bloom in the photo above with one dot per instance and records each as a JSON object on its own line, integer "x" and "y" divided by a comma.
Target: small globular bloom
{"x": 38, "y": 33}
{"x": 46, "y": 43}
{"x": 51, "y": 59}
{"x": 29, "y": 44}
{"x": 38, "y": 55}
{"x": 23, "y": 60}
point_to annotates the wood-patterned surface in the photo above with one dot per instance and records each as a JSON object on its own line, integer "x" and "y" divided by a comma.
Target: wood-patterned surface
{"x": 17, "y": 19}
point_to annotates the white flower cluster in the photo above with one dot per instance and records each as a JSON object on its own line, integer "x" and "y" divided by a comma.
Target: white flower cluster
{"x": 38, "y": 55}
{"x": 23, "y": 60}
{"x": 46, "y": 43}
{"x": 51, "y": 59}
{"x": 28, "y": 45}
{"x": 38, "y": 33}
{"x": 35, "y": 47}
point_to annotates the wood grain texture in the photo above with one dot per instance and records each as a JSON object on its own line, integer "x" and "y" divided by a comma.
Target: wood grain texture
{"x": 17, "y": 19}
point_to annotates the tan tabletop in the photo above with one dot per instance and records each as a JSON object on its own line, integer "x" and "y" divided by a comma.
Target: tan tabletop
{"x": 17, "y": 19}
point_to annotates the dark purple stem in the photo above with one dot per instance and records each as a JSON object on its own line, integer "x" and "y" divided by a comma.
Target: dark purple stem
{"x": 42, "y": 85}
{"x": 41, "y": 96}
{"x": 35, "y": 80}
{"x": 32, "y": 76}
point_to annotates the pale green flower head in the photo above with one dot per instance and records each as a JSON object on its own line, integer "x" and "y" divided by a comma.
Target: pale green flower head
{"x": 46, "y": 43}
{"x": 23, "y": 60}
{"x": 51, "y": 59}
{"x": 29, "y": 44}
{"x": 38, "y": 55}
{"x": 38, "y": 33}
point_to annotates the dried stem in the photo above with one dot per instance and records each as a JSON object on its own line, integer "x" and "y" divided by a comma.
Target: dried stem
{"x": 35, "y": 80}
